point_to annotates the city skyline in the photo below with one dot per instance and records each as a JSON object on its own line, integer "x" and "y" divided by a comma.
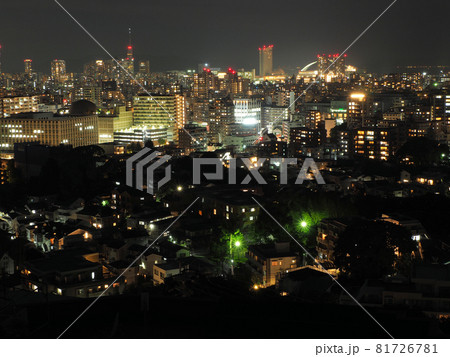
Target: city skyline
{"x": 209, "y": 170}
{"x": 182, "y": 42}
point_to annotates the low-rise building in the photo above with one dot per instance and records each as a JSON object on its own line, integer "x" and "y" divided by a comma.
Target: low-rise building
{"x": 270, "y": 261}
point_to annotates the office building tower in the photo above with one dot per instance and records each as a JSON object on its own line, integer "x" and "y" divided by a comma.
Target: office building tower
{"x": 161, "y": 111}
{"x": 204, "y": 84}
{"x": 144, "y": 67}
{"x": 331, "y": 66}
{"x": 247, "y": 111}
{"x": 58, "y": 70}
{"x": 273, "y": 116}
{"x": 96, "y": 70}
{"x": 28, "y": 66}
{"x": 359, "y": 110}
{"x": 221, "y": 113}
{"x": 265, "y": 61}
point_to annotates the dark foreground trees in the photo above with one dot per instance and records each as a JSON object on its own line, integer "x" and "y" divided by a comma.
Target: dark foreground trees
{"x": 372, "y": 249}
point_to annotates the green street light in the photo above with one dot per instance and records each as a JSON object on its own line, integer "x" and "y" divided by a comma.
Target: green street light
{"x": 304, "y": 224}
{"x": 237, "y": 244}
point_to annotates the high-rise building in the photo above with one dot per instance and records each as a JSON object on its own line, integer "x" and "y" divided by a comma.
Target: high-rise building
{"x": 204, "y": 84}
{"x": 440, "y": 109}
{"x": 440, "y": 117}
{"x": 58, "y": 70}
{"x": 331, "y": 66}
{"x": 265, "y": 60}
{"x": 273, "y": 116}
{"x": 235, "y": 84}
{"x": 247, "y": 111}
{"x": 314, "y": 119}
{"x": 371, "y": 143}
{"x": 359, "y": 110}
{"x": 96, "y": 70}
{"x": 28, "y": 66}
{"x": 161, "y": 111}
{"x": 144, "y": 67}
{"x": 221, "y": 113}
{"x": 91, "y": 93}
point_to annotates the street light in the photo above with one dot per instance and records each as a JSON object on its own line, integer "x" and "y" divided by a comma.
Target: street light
{"x": 179, "y": 188}
{"x": 304, "y": 224}
{"x": 237, "y": 244}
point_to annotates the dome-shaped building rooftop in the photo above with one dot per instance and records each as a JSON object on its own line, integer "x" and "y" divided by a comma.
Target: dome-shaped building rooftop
{"x": 83, "y": 107}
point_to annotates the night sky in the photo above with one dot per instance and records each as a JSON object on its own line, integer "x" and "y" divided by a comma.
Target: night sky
{"x": 179, "y": 34}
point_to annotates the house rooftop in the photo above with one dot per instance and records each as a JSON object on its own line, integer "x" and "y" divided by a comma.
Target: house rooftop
{"x": 60, "y": 262}
{"x": 277, "y": 250}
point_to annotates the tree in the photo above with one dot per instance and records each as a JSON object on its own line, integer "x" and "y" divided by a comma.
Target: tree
{"x": 372, "y": 249}
{"x": 423, "y": 151}
{"x": 133, "y": 148}
{"x": 230, "y": 247}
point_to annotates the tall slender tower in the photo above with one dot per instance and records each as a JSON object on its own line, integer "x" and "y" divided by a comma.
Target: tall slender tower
{"x": 130, "y": 57}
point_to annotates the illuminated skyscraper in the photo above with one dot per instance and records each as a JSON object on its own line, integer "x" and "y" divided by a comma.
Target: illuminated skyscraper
{"x": 360, "y": 110}
{"x": 204, "y": 84}
{"x": 161, "y": 111}
{"x": 266, "y": 60}
{"x": 331, "y": 66}
{"x": 221, "y": 113}
{"x": 28, "y": 66}
{"x": 58, "y": 68}
{"x": 144, "y": 67}
{"x": 96, "y": 70}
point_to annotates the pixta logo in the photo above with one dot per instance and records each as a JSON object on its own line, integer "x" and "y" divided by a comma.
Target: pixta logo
{"x": 146, "y": 162}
